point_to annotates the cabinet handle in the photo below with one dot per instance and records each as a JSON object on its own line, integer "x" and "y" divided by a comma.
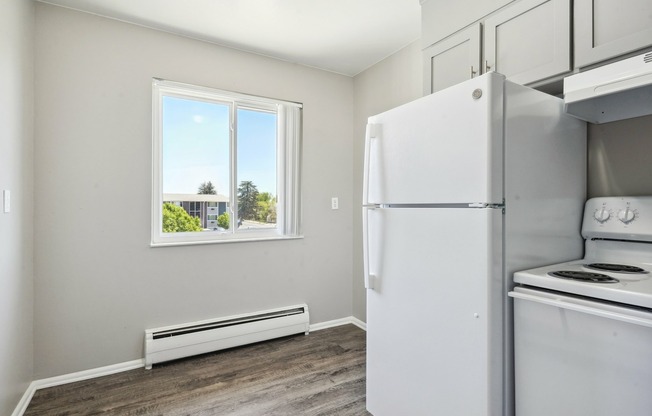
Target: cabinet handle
{"x": 473, "y": 72}
{"x": 487, "y": 67}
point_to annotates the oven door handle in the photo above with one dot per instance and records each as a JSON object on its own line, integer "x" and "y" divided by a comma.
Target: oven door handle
{"x": 560, "y": 303}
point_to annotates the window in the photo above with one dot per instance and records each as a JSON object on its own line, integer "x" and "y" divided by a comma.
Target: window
{"x": 225, "y": 166}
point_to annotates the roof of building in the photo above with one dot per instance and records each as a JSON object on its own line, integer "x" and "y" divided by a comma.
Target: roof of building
{"x": 194, "y": 198}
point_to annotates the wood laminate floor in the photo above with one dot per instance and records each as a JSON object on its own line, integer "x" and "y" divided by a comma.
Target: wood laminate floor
{"x": 319, "y": 374}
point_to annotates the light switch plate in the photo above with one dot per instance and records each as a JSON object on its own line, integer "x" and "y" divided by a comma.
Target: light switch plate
{"x": 6, "y": 201}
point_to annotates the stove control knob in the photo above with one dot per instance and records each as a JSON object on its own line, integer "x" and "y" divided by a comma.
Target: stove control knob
{"x": 627, "y": 215}
{"x": 601, "y": 215}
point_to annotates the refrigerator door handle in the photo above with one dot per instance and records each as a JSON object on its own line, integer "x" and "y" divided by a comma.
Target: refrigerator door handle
{"x": 368, "y": 278}
{"x": 560, "y": 303}
{"x": 371, "y": 132}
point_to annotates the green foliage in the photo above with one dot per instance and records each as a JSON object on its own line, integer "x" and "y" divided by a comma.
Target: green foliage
{"x": 206, "y": 188}
{"x": 224, "y": 221}
{"x": 247, "y": 200}
{"x": 176, "y": 219}
{"x": 266, "y": 207}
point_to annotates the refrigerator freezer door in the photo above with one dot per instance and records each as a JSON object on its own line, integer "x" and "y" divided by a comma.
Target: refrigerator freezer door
{"x": 442, "y": 148}
{"x": 436, "y": 298}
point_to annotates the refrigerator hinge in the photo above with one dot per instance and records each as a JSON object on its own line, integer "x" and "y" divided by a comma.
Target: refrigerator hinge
{"x": 374, "y": 130}
{"x": 370, "y": 282}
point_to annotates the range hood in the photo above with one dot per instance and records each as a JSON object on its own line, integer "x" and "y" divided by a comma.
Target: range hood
{"x": 612, "y": 92}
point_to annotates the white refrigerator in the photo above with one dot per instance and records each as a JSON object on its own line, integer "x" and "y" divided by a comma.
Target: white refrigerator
{"x": 461, "y": 189}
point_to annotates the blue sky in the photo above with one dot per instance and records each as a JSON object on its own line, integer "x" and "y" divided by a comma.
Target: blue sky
{"x": 196, "y": 146}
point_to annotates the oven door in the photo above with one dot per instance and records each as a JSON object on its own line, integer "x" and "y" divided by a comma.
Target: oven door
{"x": 579, "y": 357}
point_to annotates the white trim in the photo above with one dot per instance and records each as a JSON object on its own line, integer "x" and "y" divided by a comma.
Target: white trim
{"x": 88, "y": 374}
{"x": 132, "y": 365}
{"x": 72, "y": 378}
{"x": 210, "y": 94}
{"x": 244, "y": 239}
{"x": 360, "y": 324}
{"x": 21, "y": 407}
{"x": 288, "y": 159}
{"x": 339, "y": 322}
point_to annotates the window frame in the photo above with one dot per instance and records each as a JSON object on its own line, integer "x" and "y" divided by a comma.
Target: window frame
{"x": 288, "y": 165}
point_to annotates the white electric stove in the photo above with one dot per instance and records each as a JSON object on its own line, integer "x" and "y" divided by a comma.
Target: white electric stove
{"x": 583, "y": 328}
{"x": 617, "y": 264}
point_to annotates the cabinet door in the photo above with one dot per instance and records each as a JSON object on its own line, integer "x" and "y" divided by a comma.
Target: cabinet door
{"x": 442, "y": 18}
{"x": 607, "y": 28}
{"x": 530, "y": 40}
{"x": 453, "y": 60}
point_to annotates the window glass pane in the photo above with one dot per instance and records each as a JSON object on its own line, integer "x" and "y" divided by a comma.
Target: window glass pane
{"x": 204, "y": 166}
{"x": 256, "y": 169}
{"x": 195, "y": 164}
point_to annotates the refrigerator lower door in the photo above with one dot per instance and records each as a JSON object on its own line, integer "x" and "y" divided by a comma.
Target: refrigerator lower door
{"x": 434, "y": 319}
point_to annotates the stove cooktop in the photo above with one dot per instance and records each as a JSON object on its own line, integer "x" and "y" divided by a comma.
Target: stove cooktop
{"x": 578, "y": 278}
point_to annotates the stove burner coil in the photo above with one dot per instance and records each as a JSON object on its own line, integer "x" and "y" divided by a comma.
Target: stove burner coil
{"x": 617, "y": 268}
{"x": 584, "y": 276}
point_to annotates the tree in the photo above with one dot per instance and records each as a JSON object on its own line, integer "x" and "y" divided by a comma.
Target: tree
{"x": 247, "y": 200}
{"x": 224, "y": 221}
{"x": 176, "y": 219}
{"x": 207, "y": 188}
{"x": 266, "y": 207}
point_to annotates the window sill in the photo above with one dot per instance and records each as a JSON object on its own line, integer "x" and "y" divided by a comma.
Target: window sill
{"x": 242, "y": 239}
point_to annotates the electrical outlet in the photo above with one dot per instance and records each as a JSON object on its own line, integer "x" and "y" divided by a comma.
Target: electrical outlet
{"x": 335, "y": 203}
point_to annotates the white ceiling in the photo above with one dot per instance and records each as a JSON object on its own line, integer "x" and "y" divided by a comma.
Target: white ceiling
{"x": 343, "y": 36}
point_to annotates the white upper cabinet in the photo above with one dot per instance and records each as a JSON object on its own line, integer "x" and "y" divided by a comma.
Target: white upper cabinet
{"x": 605, "y": 29}
{"x": 453, "y": 60}
{"x": 529, "y": 41}
{"x": 442, "y": 18}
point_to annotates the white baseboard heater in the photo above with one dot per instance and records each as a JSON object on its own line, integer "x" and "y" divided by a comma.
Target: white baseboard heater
{"x": 179, "y": 341}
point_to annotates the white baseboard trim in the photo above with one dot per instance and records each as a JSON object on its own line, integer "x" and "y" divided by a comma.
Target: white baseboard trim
{"x": 71, "y": 378}
{"x": 132, "y": 365}
{"x": 24, "y": 401}
{"x": 339, "y": 322}
{"x": 362, "y": 325}
{"x": 87, "y": 374}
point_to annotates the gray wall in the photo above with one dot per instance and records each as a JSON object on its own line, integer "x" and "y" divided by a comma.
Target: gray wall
{"x": 619, "y": 158}
{"x": 98, "y": 283}
{"x": 392, "y": 82}
{"x": 16, "y": 175}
